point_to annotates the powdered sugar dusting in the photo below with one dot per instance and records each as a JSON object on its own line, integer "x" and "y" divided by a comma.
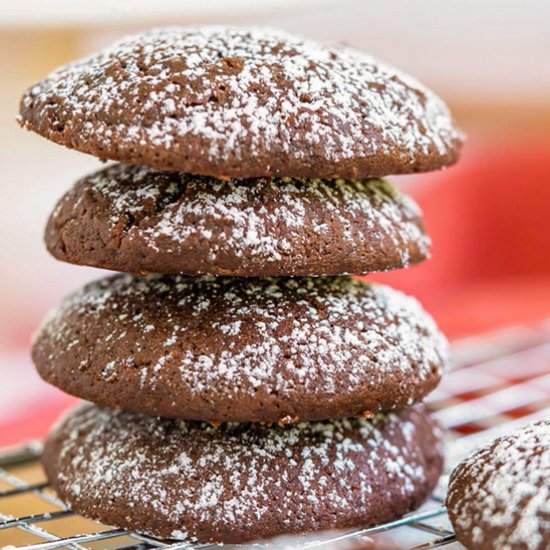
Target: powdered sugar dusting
{"x": 228, "y": 337}
{"x": 261, "y": 220}
{"x": 506, "y": 488}
{"x": 201, "y": 478}
{"x": 245, "y": 92}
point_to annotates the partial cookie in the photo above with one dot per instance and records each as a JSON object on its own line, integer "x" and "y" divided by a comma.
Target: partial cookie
{"x": 228, "y": 349}
{"x": 136, "y": 219}
{"x": 241, "y": 482}
{"x": 241, "y": 103}
{"x": 499, "y": 498}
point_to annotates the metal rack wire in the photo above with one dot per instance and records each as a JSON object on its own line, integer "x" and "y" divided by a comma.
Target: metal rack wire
{"x": 500, "y": 381}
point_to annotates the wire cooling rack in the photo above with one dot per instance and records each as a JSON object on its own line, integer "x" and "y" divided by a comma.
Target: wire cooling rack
{"x": 500, "y": 381}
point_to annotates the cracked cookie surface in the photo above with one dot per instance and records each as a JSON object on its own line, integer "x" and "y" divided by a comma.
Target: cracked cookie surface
{"x": 233, "y": 349}
{"x": 241, "y": 482}
{"x": 138, "y": 219}
{"x": 499, "y": 497}
{"x": 237, "y": 102}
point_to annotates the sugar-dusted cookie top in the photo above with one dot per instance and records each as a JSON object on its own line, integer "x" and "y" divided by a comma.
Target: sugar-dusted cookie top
{"x": 233, "y": 102}
{"x": 138, "y": 219}
{"x": 235, "y": 349}
{"x": 499, "y": 498}
{"x": 242, "y": 482}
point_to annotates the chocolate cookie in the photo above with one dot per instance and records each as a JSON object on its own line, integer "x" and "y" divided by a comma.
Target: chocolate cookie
{"x": 241, "y": 482}
{"x": 225, "y": 349}
{"x": 499, "y": 498}
{"x": 130, "y": 218}
{"x": 242, "y": 103}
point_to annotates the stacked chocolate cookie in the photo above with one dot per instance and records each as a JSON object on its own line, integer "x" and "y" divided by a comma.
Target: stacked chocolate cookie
{"x": 243, "y": 383}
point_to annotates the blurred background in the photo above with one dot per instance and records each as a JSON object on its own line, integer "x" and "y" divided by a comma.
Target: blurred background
{"x": 488, "y": 216}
